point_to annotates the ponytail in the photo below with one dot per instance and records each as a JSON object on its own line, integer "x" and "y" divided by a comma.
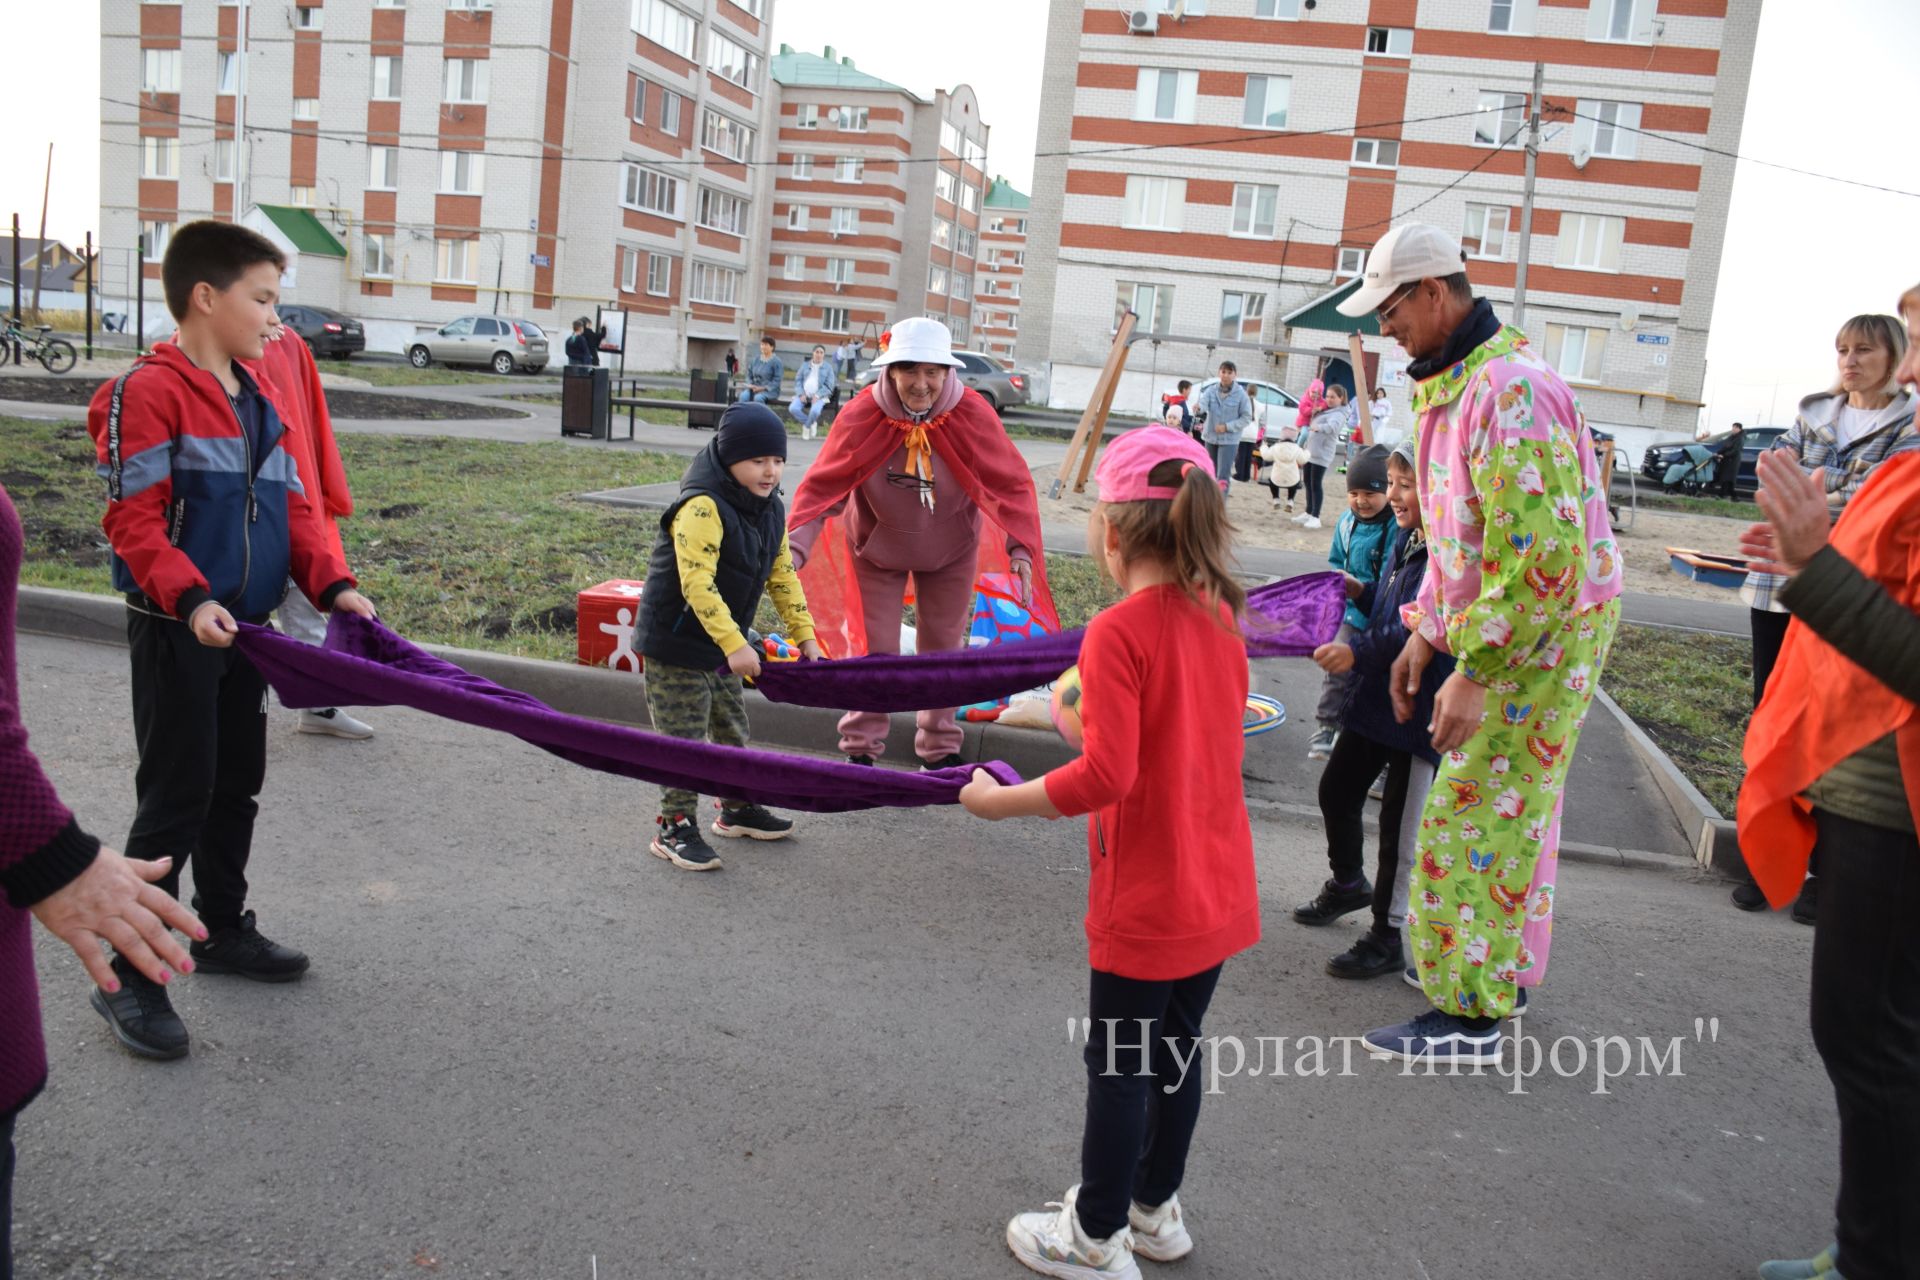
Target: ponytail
{"x": 1190, "y": 532}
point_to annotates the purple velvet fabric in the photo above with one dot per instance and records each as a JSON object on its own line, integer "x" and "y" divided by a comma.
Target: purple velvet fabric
{"x": 363, "y": 664}
{"x": 1287, "y": 619}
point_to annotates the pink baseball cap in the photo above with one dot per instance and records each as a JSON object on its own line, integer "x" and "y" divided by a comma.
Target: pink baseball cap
{"x": 1123, "y": 472}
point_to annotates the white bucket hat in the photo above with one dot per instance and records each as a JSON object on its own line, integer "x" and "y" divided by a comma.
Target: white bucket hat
{"x": 1411, "y": 251}
{"x": 920, "y": 340}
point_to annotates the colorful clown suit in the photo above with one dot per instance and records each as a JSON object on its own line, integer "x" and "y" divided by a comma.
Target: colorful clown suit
{"x": 1523, "y": 589}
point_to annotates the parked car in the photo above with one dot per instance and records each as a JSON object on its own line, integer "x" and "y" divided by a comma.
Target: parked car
{"x": 1274, "y": 406}
{"x": 330, "y": 334}
{"x": 1658, "y": 458}
{"x": 998, "y": 386}
{"x": 502, "y": 343}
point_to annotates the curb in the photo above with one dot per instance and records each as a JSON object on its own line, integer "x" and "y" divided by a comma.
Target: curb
{"x": 582, "y": 691}
{"x": 1715, "y": 843}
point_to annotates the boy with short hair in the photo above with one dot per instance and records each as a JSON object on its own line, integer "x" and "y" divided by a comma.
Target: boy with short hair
{"x": 724, "y": 542}
{"x": 1359, "y": 545}
{"x": 207, "y": 517}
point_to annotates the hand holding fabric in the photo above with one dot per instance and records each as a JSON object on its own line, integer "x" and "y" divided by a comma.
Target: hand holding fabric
{"x": 744, "y": 662}
{"x": 212, "y": 625}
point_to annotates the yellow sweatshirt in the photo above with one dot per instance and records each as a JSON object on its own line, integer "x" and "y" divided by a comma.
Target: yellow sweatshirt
{"x": 696, "y": 551}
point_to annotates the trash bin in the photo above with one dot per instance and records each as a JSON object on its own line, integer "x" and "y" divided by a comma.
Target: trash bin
{"x": 714, "y": 388}
{"x": 586, "y": 401}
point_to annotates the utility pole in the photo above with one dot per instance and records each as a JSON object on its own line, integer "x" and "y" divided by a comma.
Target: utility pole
{"x": 242, "y": 162}
{"x": 139, "y": 292}
{"x": 89, "y": 288}
{"x": 40, "y": 258}
{"x": 16, "y": 282}
{"x": 1526, "y": 199}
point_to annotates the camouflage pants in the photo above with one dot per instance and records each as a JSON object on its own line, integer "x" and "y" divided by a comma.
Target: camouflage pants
{"x": 701, "y": 705}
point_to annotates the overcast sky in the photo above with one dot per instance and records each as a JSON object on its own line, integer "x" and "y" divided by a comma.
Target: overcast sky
{"x": 1834, "y": 88}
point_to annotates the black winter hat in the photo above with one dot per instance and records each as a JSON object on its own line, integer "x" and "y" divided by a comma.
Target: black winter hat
{"x": 751, "y": 430}
{"x": 1368, "y": 473}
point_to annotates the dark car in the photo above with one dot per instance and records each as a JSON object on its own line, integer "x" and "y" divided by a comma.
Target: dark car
{"x": 1659, "y": 457}
{"x": 331, "y": 335}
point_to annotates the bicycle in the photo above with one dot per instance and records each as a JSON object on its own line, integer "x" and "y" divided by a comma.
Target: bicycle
{"x": 55, "y": 354}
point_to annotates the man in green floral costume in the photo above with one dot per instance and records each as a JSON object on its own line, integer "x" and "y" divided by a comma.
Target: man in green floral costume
{"x": 1522, "y": 588}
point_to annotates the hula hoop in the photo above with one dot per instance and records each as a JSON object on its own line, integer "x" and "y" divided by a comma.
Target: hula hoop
{"x": 1263, "y": 715}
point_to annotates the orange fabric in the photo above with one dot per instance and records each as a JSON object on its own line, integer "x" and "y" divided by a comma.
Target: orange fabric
{"x": 971, "y": 441}
{"x": 1820, "y": 707}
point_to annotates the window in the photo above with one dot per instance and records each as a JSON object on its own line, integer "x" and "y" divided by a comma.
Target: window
{"x": 659, "y": 274}
{"x": 650, "y": 190}
{"x": 726, "y": 136}
{"x": 969, "y": 197}
{"x": 959, "y": 327}
{"x": 944, "y": 183}
{"x": 1628, "y": 21}
{"x": 462, "y": 173}
{"x": 1485, "y": 234}
{"x": 670, "y": 112}
{"x": 962, "y": 286}
{"x": 156, "y": 235}
{"x": 1500, "y": 118}
{"x": 1241, "y": 315}
{"x": 795, "y": 267}
{"x": 383, "y": 168}
{"x": 789, "y": 315}
{"x": 226, "y": 73}
{"x": 965, "y": 243}
{"x": 1276, "y": 8}
{"x": 848, "y": 119}
{"x": 1165, "y": 95}
{"x": 1607, "y": 128}
{"x": 629, "y": 269}
{"x": 951, "y": 138}
{"x": 846, "y": 220}
{"x": 754, "y": 7}
{"x": 809, "y": 117}
{"x": 803, "y": 166}
{"x": 386, "y": 78}
{"x": 1192, "y": 8}
{"x": 834, "y": 319}
{"x": 1352, "y": 262}
{"x": 719, "y": 286}
{"x": 1578, "y": 353}
{"x": 850, "y": 169}
{"x": 1376, "y": 153}
{"x": 376, "y": 255}
{"x": 223, "y": 159}
{"x": 942, "y": 234}
{"x": 466, "y": 80}
{"x": 1590, "y": 242}
{"x": 1253, "y": 209}
{"x": 722, "y": 212}
{"x": 1511, "y": 17}
{"x": 1267, "y": 98}
{"x": 797, "y": 216}
{"x": 1152, "y": 303}
{"x": 639, "y": 100}
{"x": 306, "y": 108}
{"x": 1154, "y": 203}
{"x": 936, "y": 279}
{"x": 389, "y": 4}
{"x": 300, "y": 197}
{"x": 308, "y": 19}
{"x": 160, "y": 71}
{"x": 159, "y": 157}
{"x": 453, "y": 261}
{"x": 839, "y": 270}
{"x": 731, "y": 61}
{"x": 1395, "y": 42}
{"x": 660, "y": 22}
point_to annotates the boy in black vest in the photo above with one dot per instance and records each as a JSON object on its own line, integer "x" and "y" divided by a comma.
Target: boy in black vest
{"x": 726, "y": 543}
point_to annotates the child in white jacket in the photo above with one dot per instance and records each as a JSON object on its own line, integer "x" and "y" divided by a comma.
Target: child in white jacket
{"x": 1283, "y": 458}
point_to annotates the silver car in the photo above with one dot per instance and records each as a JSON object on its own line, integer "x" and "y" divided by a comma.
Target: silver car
{"x": 999, "y": 386}
{"x": 502, "y": 343}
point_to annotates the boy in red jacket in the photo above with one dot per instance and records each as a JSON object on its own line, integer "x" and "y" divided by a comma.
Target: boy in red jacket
{"x": 206, "y": 515}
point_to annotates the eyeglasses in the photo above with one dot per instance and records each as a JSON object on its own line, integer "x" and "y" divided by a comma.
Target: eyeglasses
{"x": 1381, "y": 313}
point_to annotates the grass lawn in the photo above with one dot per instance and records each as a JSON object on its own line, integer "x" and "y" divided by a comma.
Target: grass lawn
{"x": 382, "y": 374}
{"x": 1692, "y": 694}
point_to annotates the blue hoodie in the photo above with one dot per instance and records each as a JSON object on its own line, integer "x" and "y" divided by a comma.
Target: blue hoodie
{"x": 1359, "y": 547}
{"x": 1369, "y": 706}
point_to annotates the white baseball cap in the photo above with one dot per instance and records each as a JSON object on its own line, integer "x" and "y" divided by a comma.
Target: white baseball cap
{"x": 1410, "y": 252}
{"x": 920, "y": 340}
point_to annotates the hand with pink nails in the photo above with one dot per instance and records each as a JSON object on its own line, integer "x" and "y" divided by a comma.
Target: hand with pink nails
{"x": 116, "y": 900}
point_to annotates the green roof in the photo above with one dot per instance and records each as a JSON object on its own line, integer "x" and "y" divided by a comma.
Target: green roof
{"x": 1320, "y": 314}
{"x": 1001, "y": 195}
{"x": 305, "y": 230}
{"x": 811, "y": 71}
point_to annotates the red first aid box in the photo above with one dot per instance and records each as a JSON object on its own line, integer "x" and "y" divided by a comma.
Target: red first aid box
{"x": 607, "y": 616}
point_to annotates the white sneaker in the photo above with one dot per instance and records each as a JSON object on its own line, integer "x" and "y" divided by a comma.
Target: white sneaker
{"x": 334, "y": 723}
{"x": 1159, "y": 1235}
{"x": 1302, "y": 518}
{"x": 1311, "y": 522}
{"x": 1052, "y": 1243}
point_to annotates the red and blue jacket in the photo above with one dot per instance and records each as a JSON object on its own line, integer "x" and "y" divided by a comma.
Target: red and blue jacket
{"x": 194, "y": 511}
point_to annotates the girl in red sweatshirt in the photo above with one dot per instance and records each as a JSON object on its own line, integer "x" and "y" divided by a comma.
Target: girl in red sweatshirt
{"x": 1172, "y": 892}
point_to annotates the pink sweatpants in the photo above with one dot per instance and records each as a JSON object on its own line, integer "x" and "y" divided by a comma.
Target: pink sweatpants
{"x": 943, "y": 610}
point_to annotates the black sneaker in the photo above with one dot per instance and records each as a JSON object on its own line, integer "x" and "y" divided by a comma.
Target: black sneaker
{"x": 1334, "y": 902}
{"x": 953, "y": 761}
{"x": 1806, "y": 907}
{"x": 864, "y": 760}
{"x": 141, "y": 1016}
{"x": 753, "y": 822}
{"x": 1372, "y": 956}
{"x": 245, "y": 951}
{"x": 679, "y": 842}
{"x": 1747, "y": 896}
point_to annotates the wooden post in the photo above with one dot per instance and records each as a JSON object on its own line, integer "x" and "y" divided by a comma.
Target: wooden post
{"x": 1363, "y": 394}
{"x": 1093, "y": 419}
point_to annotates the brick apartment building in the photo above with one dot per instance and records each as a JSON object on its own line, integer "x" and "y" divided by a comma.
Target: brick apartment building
{"x": 428, "y": 158}
{"x": 875, "y": 209}
{"x": 1003, "y": 267}
{"x": 1234, "y": 162}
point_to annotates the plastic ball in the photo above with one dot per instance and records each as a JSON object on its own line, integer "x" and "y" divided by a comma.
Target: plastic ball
{"x": 1066, "y": 708}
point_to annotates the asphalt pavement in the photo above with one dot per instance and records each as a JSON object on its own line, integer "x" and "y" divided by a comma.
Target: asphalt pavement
{"x": 528, "y": 1049}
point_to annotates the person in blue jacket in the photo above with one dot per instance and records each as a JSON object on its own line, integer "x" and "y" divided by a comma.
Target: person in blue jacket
{"x": 1371, "y": 739}
{"x": 1359, "y": 546}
